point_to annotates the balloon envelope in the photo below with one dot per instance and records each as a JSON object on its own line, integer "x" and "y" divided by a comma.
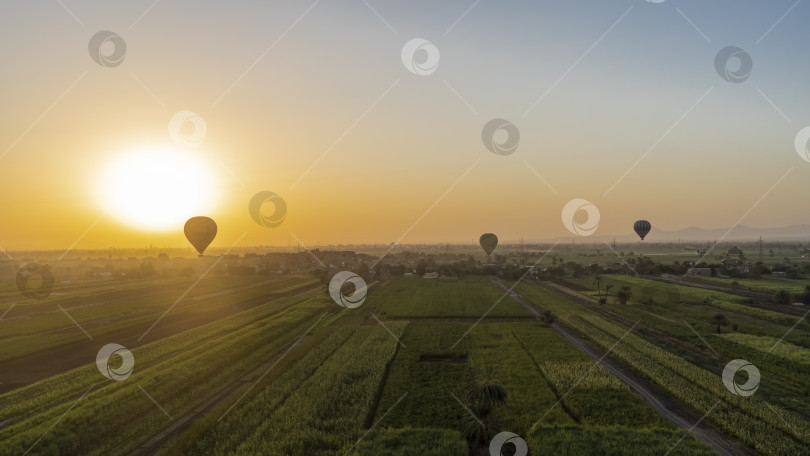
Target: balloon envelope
{"x": 200, "y": 231}
{"x": 642, "y": 227}
{"x": 488, "y": 242}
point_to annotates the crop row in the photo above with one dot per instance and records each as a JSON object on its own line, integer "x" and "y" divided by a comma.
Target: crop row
{"x": 751, "y": 419}
{"x": 184, "y": 373}
{"x": 312, "y": 412}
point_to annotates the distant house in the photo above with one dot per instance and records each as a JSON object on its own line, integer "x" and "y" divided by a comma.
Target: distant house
{"x": 408, "y": 274}
{"x": 779, "y": 274}
{"x": 431, "y": 275}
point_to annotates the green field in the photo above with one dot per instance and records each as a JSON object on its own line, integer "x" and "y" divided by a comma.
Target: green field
{"x": 292, "y": 373}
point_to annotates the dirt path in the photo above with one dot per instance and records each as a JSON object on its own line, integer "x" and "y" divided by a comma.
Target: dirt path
{"x": 657, "y": 398}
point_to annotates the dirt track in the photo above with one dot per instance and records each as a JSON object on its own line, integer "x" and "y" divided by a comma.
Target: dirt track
{"x": 657, "y": 398}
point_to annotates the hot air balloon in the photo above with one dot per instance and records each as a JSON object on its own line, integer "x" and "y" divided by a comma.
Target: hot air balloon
{"x": 488, "y": 242}
{"x": 642, "y": 227}
{"x": 200, "y": 231}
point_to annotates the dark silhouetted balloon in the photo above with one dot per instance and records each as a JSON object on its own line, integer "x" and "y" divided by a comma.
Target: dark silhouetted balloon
{"x": 200, "y": 231}
{"x": 488, "y": 242}
{"x": 642, "y": 227}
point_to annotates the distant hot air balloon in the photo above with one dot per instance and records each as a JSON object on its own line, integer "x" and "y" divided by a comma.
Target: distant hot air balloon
{"x": 488, "y": 242}
{"x": 200, "y": 231}
{"x": 642, "y": 227}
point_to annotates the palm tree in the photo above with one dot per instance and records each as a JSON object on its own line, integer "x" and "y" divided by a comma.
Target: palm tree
{"x": 624, "y": 294}
{"x": 482, "y": 397}
{"x": 782, "y": 297}
{"x": 720, "y": 320}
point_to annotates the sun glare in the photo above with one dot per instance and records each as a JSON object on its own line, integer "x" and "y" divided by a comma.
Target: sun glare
{"x": 157, "y": 188}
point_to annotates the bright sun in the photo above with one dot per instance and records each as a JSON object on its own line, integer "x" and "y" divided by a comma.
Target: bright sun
{"x": 157, "y": 188}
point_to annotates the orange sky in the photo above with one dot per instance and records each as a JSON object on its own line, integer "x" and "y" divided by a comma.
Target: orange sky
{"x": 401, "y": 152}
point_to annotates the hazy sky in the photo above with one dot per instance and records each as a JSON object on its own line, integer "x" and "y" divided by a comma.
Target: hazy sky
{"x": 592, "y": 86}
